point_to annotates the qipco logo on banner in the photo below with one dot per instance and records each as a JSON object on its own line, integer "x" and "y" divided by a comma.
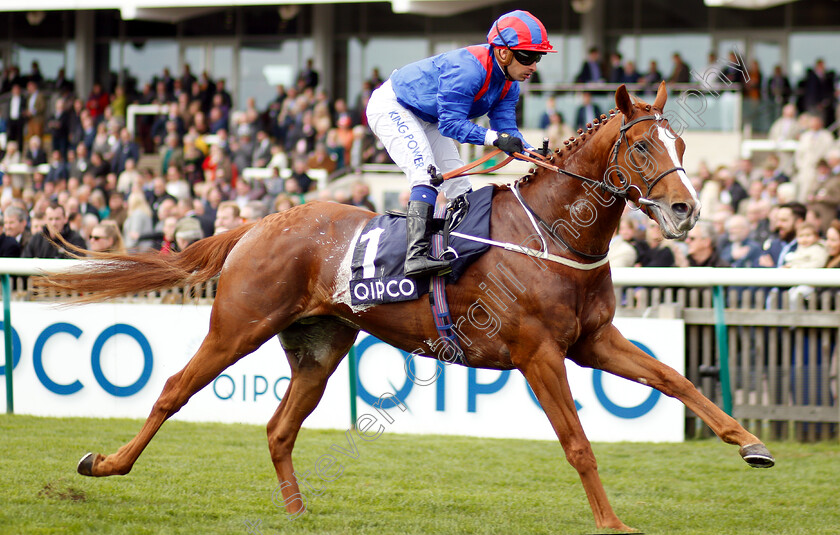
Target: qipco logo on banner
{"x": 66, "y": 389}
{"x": 474, "y": 388}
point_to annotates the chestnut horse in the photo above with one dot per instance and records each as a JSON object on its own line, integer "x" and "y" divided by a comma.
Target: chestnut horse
{"x": 287, "y": 275}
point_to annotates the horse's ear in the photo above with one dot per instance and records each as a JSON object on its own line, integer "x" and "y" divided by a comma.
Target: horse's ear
{"x": 661, "y": 96}
{"x": 622, "y": 100}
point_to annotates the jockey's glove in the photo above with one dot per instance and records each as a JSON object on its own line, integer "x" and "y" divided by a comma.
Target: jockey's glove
{"x": 508, "y": 143}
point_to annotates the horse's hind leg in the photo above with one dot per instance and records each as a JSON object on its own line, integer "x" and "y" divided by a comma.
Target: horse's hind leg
{"x": 231, "y": 337}
{"x": 613, "y": 353}
{"x": 314, "y": 350}
{"x": 546, "y": 374}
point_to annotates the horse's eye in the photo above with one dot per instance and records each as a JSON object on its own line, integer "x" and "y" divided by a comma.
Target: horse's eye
{"x": 641, "y": 146}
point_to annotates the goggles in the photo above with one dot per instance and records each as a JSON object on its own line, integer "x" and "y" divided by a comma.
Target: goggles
{"x": 527, "y": 57}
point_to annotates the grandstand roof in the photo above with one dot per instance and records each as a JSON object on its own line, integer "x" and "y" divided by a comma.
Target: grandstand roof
{"x": 176, "y": 10}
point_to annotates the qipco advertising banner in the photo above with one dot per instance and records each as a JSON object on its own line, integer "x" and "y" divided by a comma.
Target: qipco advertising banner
{"x": 112, "y": 360}
{"x": 109, "y": 360}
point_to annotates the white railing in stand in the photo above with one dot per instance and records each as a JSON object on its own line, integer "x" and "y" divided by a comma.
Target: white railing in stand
{"x": 711, "y": 276}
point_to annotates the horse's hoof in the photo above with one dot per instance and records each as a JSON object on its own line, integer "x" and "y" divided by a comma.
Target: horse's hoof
{"x": 757, "y": 456}
{"x": 85, "y": 466}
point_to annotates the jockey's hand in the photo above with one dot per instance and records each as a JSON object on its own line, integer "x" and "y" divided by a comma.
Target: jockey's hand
{"x": 509, "y": 144}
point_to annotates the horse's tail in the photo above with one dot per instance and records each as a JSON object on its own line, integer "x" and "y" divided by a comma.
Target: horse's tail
{"x": 113, "y": 275}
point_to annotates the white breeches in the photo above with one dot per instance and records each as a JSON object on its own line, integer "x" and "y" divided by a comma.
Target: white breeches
{"x": 413, "y": 143}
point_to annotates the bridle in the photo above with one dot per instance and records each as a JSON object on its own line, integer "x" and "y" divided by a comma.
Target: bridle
{"x": 622, "y": 190}
{"x": 624, "y": 185}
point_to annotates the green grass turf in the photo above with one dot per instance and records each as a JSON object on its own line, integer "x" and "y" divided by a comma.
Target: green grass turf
{"x": 213, "y": 478}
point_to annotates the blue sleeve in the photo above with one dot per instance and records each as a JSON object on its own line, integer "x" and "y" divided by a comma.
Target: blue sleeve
{"x": 457, "y": 88}
{"x": 503, "y": 115}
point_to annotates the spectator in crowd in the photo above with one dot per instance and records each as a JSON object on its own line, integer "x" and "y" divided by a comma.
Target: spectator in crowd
{"x": 282, "y": 203}
{"x": 813, "y": 146}
{"x": 630, "y": 231}
{"x": 591, "y": 71}
{"x": 97, "y": 101}
{"x": 652, "y": 77}
{"x": 824, "y": 194}
{"x": 657, "y": 254}
{"x": 58, "y": 127}
{"x": 741, "y": 251}
{"x": 58, "y": 168}
{"x": 105, "y": 237}
{"x": 127, "y": 149}
{"x": 227, "y": 217}
{"x": 37, "y": 223}
{"x": 138, "y": 222}
{"x": 701, "y": 250}
{"x": 11, "y": 158}
{"x": 36, "y": 109}
{"x": 631, "y": 75}
{"x": 756, "y": 214}
{"x": 35, "y": 154}
{"x": 680, "y": 73}
{"x": 156, "y": 195}
{"x": 321, "y": 159}
{"x": 300, "y": 176}
{"x": 16, "y": 115}
{"x": 252, "y": 211}
{"x": 819, "y": 92}
{"x": 778, "y": 89}
{"x": 621, "y": 253}
{"x": 786, "y": 127}
{"x": 117, "y": 211}
{"x": 100, "y": 203}
{"x": 163, "y": 240}
{"x": 832, "y": 244}
{"x": 9, "y": 246}
{"x": 809, "y": 253}
{"x": 360, "y": 196}
{"x": 557, "y": 131}
{"x": 787, "y": 219}
{"x": 262, "y": 154}
{"x": 616, "y": 70}
{"x": 187, "y": 232}
{"x": 587, "y": 111}
{"x": 732, "y": 192}
{"x": 40, "y": 246}
{"x": 550, "y": 109}
{"x": 14, "y": 219}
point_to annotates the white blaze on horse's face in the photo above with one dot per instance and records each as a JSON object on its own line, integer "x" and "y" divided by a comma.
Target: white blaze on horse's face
{"x": 670, "y": 144}
{"x": 669, "y": 141}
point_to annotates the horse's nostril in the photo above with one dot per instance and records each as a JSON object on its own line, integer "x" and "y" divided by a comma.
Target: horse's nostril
{"x": 681, "y": 209}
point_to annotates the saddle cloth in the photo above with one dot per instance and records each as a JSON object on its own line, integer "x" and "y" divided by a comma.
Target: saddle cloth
{"x": 377, "y": 274}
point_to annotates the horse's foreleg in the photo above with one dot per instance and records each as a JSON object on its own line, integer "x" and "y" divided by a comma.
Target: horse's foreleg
{"x": 546, "y": 373}
{"x": 217, "y": 352}
{"x": 313, "y": 351}
{"x": 612, "y": 352}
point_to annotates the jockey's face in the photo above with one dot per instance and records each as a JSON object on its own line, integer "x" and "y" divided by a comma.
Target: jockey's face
{"x": 520, "y": 72}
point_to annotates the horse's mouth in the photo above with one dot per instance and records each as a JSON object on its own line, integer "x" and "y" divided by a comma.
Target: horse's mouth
{"x": 672, "y": 225}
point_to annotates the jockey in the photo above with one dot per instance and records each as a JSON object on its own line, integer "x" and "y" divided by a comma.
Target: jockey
{"x": 424, "y": 106}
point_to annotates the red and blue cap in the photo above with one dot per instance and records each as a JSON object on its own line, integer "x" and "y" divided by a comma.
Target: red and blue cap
{"x": 520, "y": 31}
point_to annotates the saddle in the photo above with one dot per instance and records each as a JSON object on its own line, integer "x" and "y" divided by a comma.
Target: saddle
{"x": 377, "y": 274}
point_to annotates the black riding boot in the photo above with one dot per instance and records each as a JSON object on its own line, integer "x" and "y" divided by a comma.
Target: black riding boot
{"x": 418, "y": 232}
